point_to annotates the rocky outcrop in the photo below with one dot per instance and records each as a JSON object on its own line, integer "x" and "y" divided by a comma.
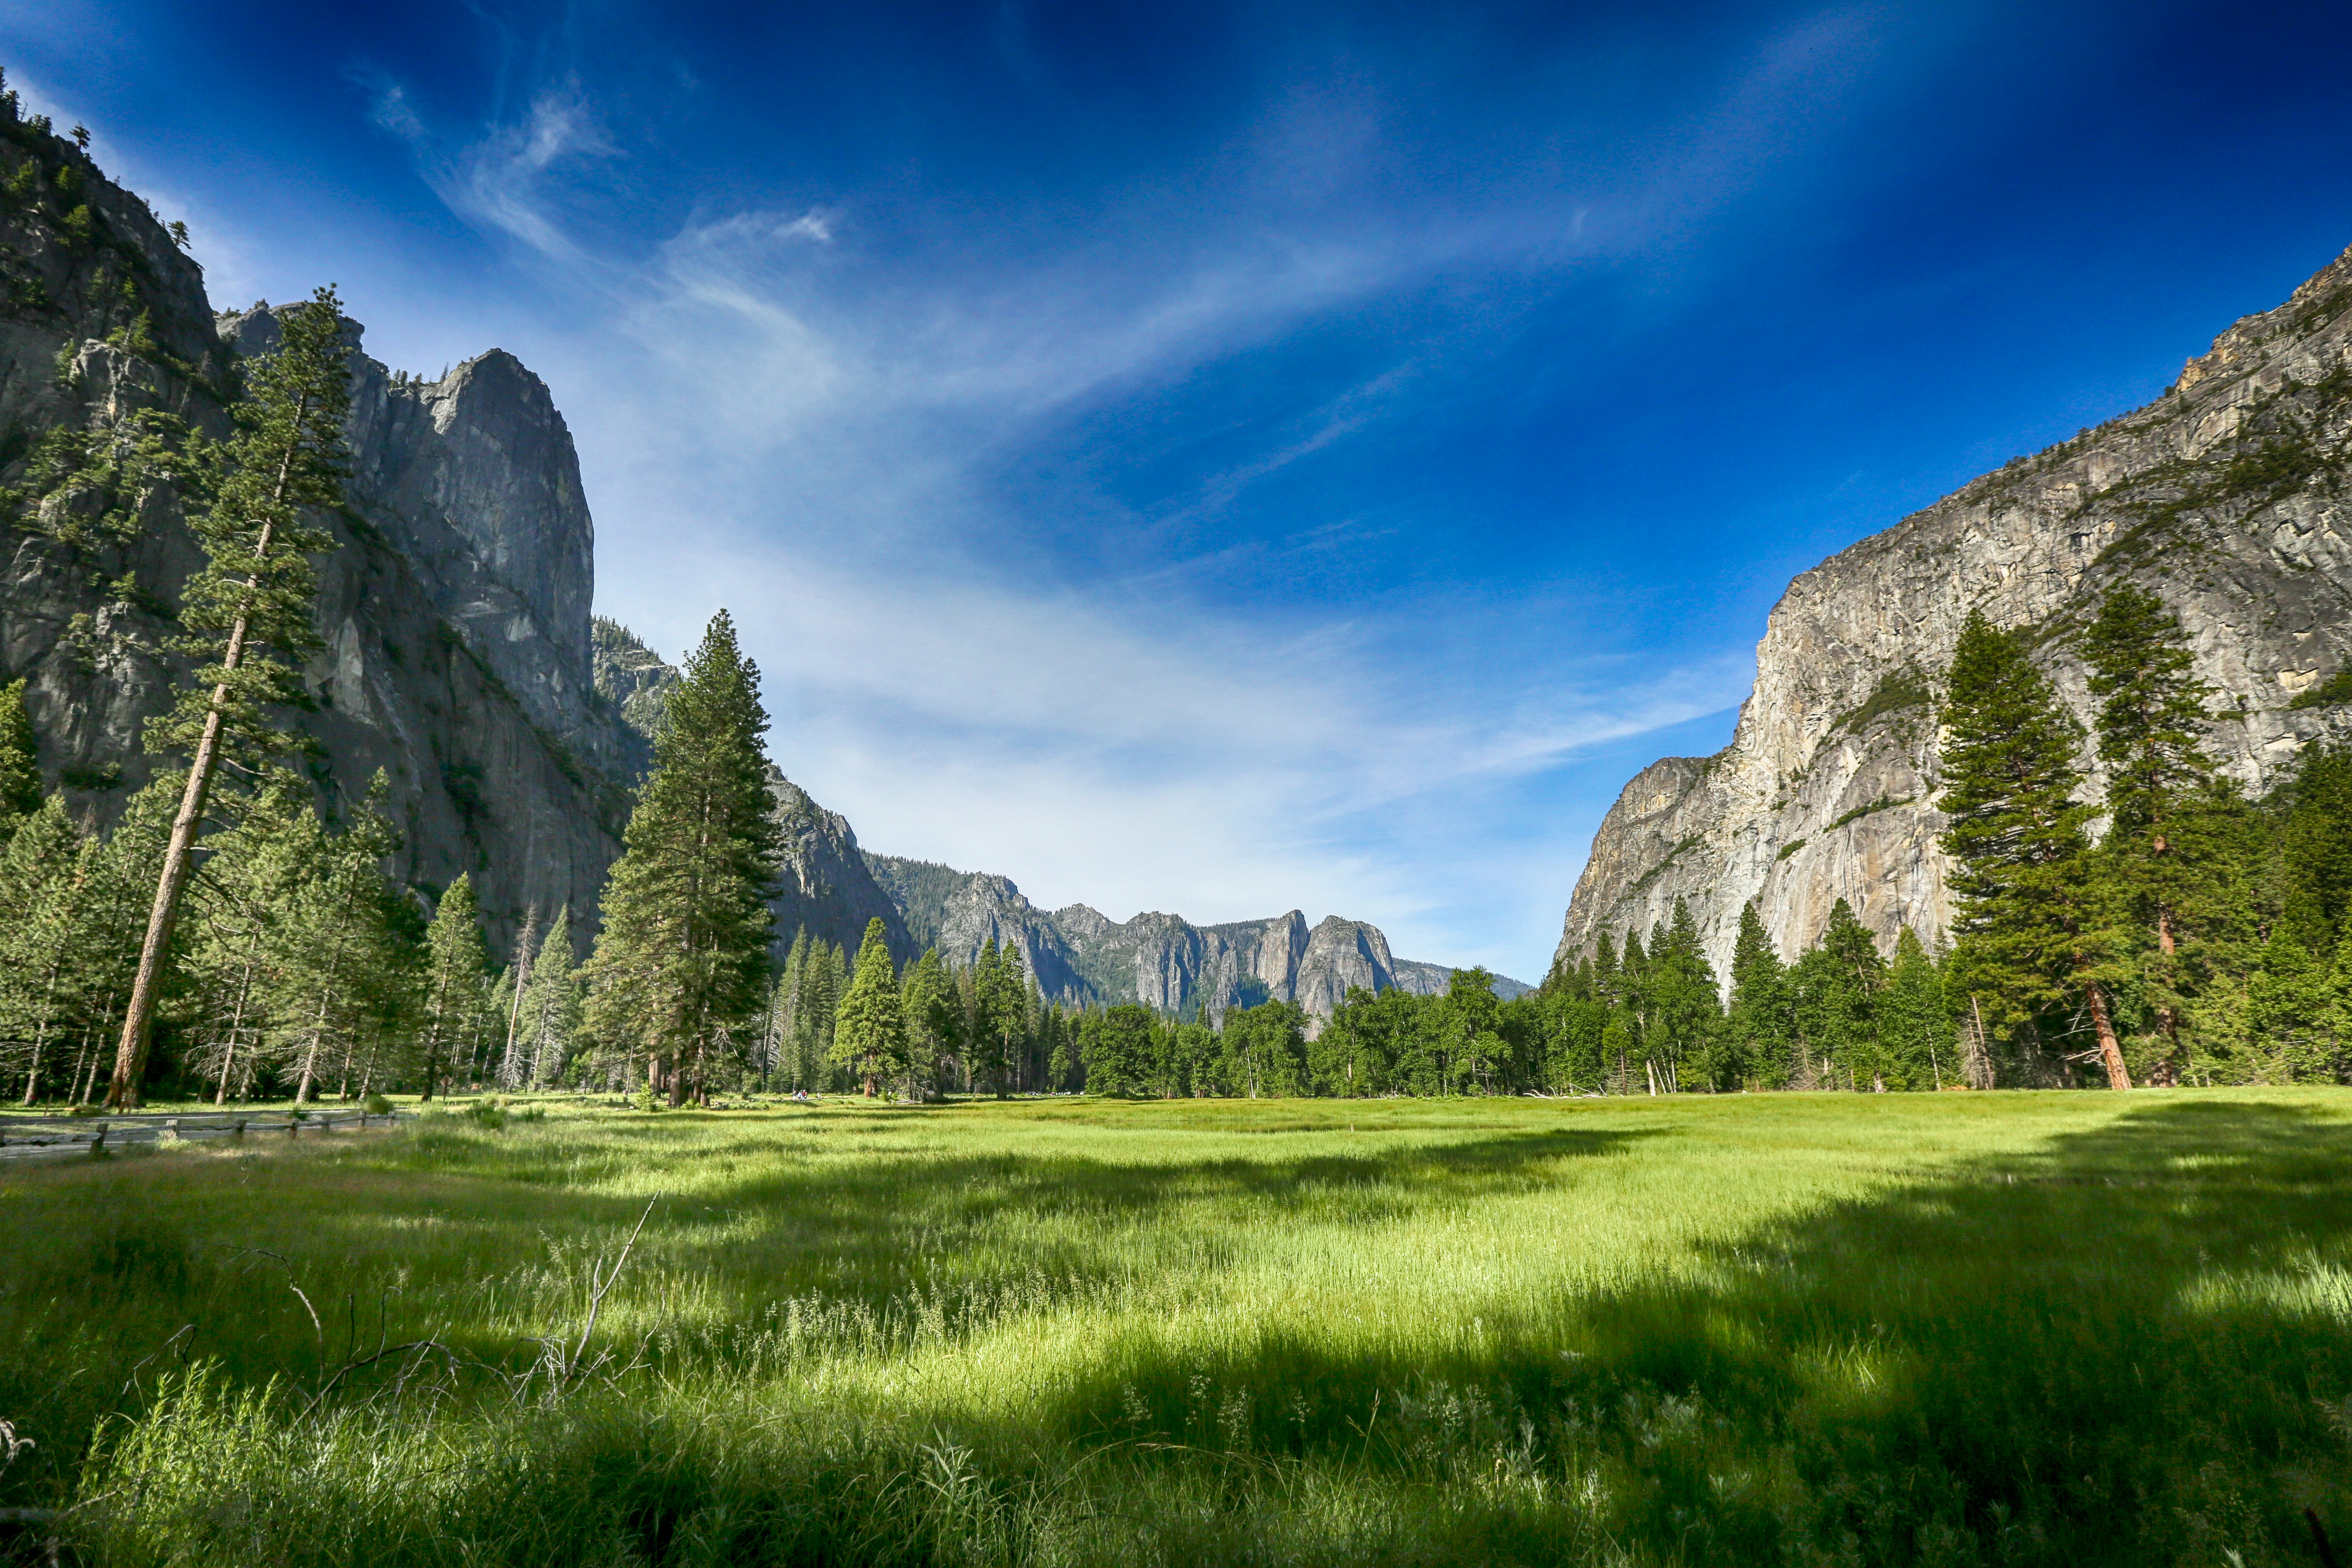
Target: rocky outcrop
{"x": 453, "y": 605}
{"x": 474, "y": 480}
{"x": 1079, "y": 955}
{"x": 2225, "y": 497}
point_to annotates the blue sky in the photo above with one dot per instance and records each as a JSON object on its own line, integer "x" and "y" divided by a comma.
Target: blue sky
{"x": 1219, "y": 459}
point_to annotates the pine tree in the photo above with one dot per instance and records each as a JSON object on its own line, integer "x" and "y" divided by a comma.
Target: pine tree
{"x": 786, "y": 1019}
{"x": 2021, "y": 877}
{"x": 248, "y": 614}
{"x": 1759, "y": 1030}
{"x": 1605, "y": 968}
{"x": 247, "y": 899}
{"x": 1913, "y": 1024}
{"x": 869, "y": 1027}
{"x": 456, "y": 1008}
{"x": 683, "y": 957}
{"x": 2173, "y": 852}
{"x": 39, "y": 937}
{"x": 2314, "y": 847}
{"x": 20, "y": 762}
{"x": 1617, "y": 1049}
{"x": 550, "y": 1005}
{"x": 1852, "y": 956}
{"x": 512, "y": 980}
{"x": 349, "y": 963}
{"x": 1684, "y": 999}
{"x": 933, "y": 1019}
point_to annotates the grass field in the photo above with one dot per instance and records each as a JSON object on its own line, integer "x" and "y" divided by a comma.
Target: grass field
{"x": 1959, "y": 1329}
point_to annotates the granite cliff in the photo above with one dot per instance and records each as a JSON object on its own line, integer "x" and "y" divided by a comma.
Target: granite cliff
{"x": 2226, "y": 497}
{"x": 461, "y": 657}
{"x": 1078, "y": 955}
{"x": 453, "y": 606}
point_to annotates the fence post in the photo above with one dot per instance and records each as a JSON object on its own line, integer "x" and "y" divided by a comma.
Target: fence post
{"x": 98, "y": 1143}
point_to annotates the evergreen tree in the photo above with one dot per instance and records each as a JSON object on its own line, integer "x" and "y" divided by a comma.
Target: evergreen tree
{"x": 1860, "y": 980}
{"x": 1604, "y": 969}
{"x": 1685, "y": 1001}
{"x": 933, "y": 1017}
{"x": 785, "y": 1014}
{"x": 246, "y": 894}
{"x": 40, "y": 932}
{"x": 1617, "y": 1049}
{"x": 20, "y": 762}
{"x": 458, "y": 1004}
{"x": 248, "y": 615}
{"x": 1759, "y": 1031}
{"x": 2314, "y": 847}
{"x": 1117, "y": 1046}
{"x": 1915, "y": 1025}
{"x": 683, "y": 957}
{"x": 349, "y": 958}
{"x": 870, "y": 1029}
{"x": 2174, "y": 850}
{"x": 550, "y": 1006}
{"x": 2021, "y": 877}
{"x": 508, "y": 1000}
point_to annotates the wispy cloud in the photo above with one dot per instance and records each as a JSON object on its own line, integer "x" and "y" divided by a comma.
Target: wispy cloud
{"x": 783, "y": 415}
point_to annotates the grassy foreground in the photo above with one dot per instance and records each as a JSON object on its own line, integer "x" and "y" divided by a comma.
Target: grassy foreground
{"x": 1960, "y": 1328}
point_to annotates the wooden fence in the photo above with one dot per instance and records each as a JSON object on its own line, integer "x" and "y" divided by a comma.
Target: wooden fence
{"x": 49, "y": 1137}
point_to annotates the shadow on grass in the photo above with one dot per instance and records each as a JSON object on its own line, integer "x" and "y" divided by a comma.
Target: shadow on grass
{"x": 2135, "y": 1347}
{"x": 115, "y": 1277}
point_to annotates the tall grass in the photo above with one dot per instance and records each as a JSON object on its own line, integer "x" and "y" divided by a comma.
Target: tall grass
{"x": 1977, "y": 1329}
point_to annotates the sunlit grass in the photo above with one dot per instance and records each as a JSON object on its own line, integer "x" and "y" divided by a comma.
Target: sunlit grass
{"x": 1941, "y": 1329}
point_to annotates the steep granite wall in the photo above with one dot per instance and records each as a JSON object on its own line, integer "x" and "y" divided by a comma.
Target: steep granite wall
{"x": 454, "y": 604}
{"x": 2225, "y": 497}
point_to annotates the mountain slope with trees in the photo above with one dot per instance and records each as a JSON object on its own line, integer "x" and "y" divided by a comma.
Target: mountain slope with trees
{"x": 2224, "y": 500}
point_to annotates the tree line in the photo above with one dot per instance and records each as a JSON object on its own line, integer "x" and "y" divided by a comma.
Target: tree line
{"x": 2168, "y": 930}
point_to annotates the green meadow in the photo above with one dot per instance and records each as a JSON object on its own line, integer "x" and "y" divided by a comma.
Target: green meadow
{"x": 2000, "y": 1327}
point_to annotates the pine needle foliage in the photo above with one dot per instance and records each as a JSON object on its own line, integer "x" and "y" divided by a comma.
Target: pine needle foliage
{"x": 458, "y": 1016}
{"x": 248, "y": 614}
{"x": 2028, "y": 943}
{"x": 683, "y": 957}
{"x": 2178, "y": 844}
{"x": 20, "y": 762}
{"x": 869, "y": 1034}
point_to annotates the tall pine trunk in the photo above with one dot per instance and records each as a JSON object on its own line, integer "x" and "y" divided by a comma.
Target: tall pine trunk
{"x": 179, "y": 851}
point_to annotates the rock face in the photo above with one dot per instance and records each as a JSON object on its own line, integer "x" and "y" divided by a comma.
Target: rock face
{"x": 2225, "y": 497}
{"x": 1079, "y": 955}
{"x": 474, "y": 480}
{"x": 454, "y": 605}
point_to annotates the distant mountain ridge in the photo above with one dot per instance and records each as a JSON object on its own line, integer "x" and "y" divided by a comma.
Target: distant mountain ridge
{"x": 1078, "y": 955}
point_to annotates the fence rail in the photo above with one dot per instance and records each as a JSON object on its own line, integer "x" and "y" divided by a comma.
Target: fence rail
{"x": 50, "y": 1137}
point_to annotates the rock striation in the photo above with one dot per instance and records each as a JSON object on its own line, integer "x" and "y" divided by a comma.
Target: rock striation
{"x": 1079, "y": 955}
{"x": 2226, "y": 497}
